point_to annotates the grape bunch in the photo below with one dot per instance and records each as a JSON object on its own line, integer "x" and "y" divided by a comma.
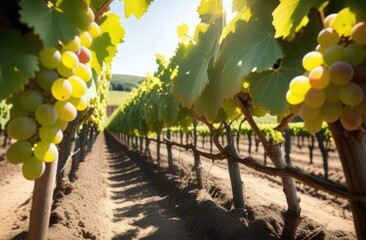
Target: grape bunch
{"x": 334, "y": 84}
{"x": 42, "y": 110}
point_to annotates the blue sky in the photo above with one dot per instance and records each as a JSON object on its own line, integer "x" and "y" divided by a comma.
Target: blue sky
{"x": 154, "y": 33}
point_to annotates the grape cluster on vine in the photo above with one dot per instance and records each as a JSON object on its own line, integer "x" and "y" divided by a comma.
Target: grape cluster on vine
{"x": 334, "y": 84}
{"x": 41, "y": 112}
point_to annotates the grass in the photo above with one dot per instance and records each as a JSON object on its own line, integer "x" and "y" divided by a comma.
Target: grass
{"x": 116, "y": 98}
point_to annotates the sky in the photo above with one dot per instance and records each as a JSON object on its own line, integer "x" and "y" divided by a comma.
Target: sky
{"x": 154, "y": 33}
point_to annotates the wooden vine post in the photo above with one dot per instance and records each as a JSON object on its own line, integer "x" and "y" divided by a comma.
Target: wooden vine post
{"x": 170, "y": 153}
{"x": 352, "y": 154}
{"x": 42, "y": 203}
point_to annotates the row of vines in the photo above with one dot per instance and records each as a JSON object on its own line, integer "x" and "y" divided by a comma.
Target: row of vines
{"x": 285, "y": 58}
{"x": 55, "y": 67}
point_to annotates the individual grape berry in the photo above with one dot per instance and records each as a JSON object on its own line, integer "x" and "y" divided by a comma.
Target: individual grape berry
{"x": 351, "y": 94}
{"x": 78, "y": 86}
{"x": 33, "y": 168}
{"x": 46, "y": 114}
{"x": 328, "y": 37}
{"x": 84, "y": 72}
{"x": 319, "y": 78}
{"x": 85, "y": 39}
{"x": 358, "y": 33}
{"x": 69, "y": 59}
{"x": 66, "y": 111}
{"x": 341, "y": 73}
{"x": 65, "y": 71}
{"x": 300, "y": 85}
{"x": 293, "y": 99}
{"x": 84, "y": 55}
{"x": 308, "y": 113}
{"x": 312, "y": 60}
{"x": 19, "y": 151}
{"x": 30, "y": 100}
{"x": 313, "y": 126}
{"x": 314, "y": 98}
{"x": 61, "y": 89}
{"x": 22, "y": 128}
{"x": 46, "y": 151}
{"x": 329, "y": 20}
{"x": 50, "y": 57}
{"x": 51, "y": 134}
{"x": 354, "y": 54}
{"x": 74, "y": 45}
{"x": 330, "y": 111}
{"x": 333, "y": 54}
{"x": 94, "y": 30}
{"x": 45, "y": 78}
{"x": 350, "y": 119}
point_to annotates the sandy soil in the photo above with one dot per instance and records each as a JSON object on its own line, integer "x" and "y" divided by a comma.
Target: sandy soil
{"x": 119, "y": 194}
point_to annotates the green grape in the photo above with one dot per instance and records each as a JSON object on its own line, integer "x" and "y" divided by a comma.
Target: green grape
{"x": 313, "y": 126}
{"x": 332, "y": 93}
{"x": 69, "y": 59}
{"x": 17, "y": 111}
{"x": 94, "y": 30}
{"x": 328, "y": 37}
{"x": 84, "y": 72}
{"x": 65, "y": 71}
{"x": 30, "y": 100}
{"x": 350, "y": 119}
{"x": 22, "y": 128}
{"x": 19, "y": 151}
{"x": 330, "y": 111}
{"x": 333, "y": 54}
{"x": 308, "y": 113}
{"x": 329, "y": 20}
{"x": 60, "y": 124}
{"x": 45, "y": 77}
{"x": 319, "y": 78}
{"x": 51, "y": 134}
{"x": 46, "y": 114}
{"x": 299, "y": 85}
{"x": 89, "y": 16}
{"x": 46, "y": 151}
{"x": 66, "y": 111}
{"x": 61, "y": 89}
{"x": 50, "y": 57}
{"x": 85, "y": 39}
{"x": 293, "y": 99}
{"x": 358, "y": 33}
{"x": 314, "y": 98}
{"x": 74, "y": 45}
{"x": 355, "y": 54}
{"x": 312, "y": 60}
{"x": 33, "y": 168}
{"x": 79, "y": 103}
{"x": 341, "y": 73}
{"x": 320, "y": 49}
{"x": 351, "y": 94}
{"x": 78, "y": 86}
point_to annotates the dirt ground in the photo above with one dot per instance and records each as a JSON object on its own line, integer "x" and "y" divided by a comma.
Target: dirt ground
{"x": 120, "y": 194}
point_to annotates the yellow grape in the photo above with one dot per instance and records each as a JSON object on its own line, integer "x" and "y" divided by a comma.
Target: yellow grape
{"x": 50, "y": 134}
{"x": 79, "y": 103}
{"x": 30, "y": 100}
{"x": 312, "y": 60}
{"x": 22, "y": 128}
{"x": 65, "y": 71}
{"x": 329, "y": 20}
{"x": 355, "y": 54}
{"x": 350, "y": 119}
{"x": 319, "y": 78}
{"x": 293, "y": 99}
{"x": 351, "y": 94}
{"x": 33, "y": 168}
{"x": 85, "y": 39}
{"x": 328, "y": 37}
{"x": 46, "y": 151}
{"x": 341, "y": 73}
{"x": 333, "y": 54}
{"x": 308, "y": 113}
{"x": 19, "y": 151}
{"x": 78, "y": 86}
{"x": 50, "y": 57}
{"x": 94, "y": 30}
{"x": 46, "y": 114}
{"x": 66, "y": 111}
{"x": 314, "y": 98}
{"x": 313, "y": 126}
{"x": 84, "y": 72}
{"x": 358, "y": 33}
{"x": 69, "y": 59}
{"x": 330, "y": 111}
{"x": 299, "y": 85}
{"x": 74, "y": 45}
{"x": 61, "y": 89}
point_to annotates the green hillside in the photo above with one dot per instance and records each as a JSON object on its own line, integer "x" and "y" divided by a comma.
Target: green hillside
{"x": 123, "y": 82}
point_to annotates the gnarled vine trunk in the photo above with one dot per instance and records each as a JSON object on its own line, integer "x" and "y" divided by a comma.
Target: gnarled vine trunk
{"x": 351, "y": 148}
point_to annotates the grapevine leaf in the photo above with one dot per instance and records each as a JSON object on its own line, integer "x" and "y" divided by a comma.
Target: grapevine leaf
{"x": 210, "y": 10}
{"x": 192, "y": 76}
{"x": 18, "y": 61}
{"x": 100, "y": 51}
{"x": 110, "y": 23}
{"x": 251, "y": 48}
{"x": 168, "y": 109}
{"x": 182, "y": 31}
{"x": 238, "y": 5}
{"x": 291, "y": 15}
{"x": 344, "y": 22}
{"x": 136, "y": 7}
{"x": 54, "y": 24}
{"x": 243, "y": 15}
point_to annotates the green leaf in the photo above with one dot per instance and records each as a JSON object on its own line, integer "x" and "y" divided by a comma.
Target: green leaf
{"x": 292, "y": 15}
{"x": 251, "y": 48}
{"x": 238, "y": 5}
{"x": 168, "y": 109}
{"x": 136, "y": 7}
{"x": 210, "y": 10}
{"x": 192, "y": 76}
{"x": 18, "y": 61}
{"x": 54, "y": 24}
{"x": 111, "y": 24}
{"x": 100, "y": 51}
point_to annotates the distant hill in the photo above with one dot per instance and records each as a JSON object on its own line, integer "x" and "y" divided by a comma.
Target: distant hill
{"x": 123, "y": 82}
